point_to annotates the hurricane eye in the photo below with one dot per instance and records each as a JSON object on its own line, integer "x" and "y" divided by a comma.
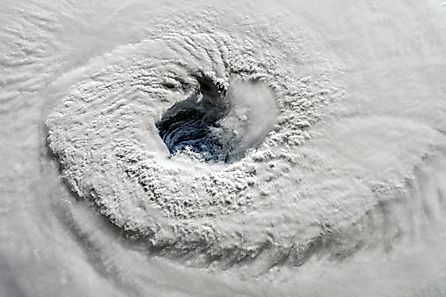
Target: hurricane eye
{"x": 191, "y": 123}
{"x": 219, "y": 125}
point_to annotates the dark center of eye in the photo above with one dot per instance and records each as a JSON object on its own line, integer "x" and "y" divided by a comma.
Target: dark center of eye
{"x": 191, "y": 123}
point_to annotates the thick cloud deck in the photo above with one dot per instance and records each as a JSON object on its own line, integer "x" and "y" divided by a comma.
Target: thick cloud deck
{"x": 274, "y": 202}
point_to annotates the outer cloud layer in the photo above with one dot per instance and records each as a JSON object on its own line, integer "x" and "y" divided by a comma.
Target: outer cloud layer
{"x": 280, "y": 203}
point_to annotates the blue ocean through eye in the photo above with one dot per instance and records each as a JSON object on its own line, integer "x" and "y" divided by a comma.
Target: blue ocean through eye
{"x": 191, "y": 124}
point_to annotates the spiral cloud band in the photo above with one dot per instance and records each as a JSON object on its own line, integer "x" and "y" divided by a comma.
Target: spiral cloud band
{"x": 190, "y": 142}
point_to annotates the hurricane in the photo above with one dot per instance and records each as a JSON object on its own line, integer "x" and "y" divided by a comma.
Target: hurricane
{"x": 165, "y": 148}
